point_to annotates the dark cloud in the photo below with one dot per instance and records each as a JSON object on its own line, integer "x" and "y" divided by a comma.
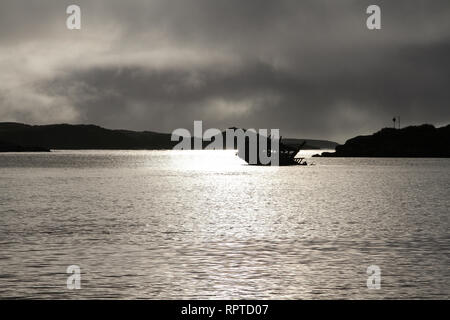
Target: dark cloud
{"x": 310, "y": 68}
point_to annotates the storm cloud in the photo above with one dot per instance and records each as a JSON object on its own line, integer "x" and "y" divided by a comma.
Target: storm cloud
{"x": 310, "y": 68}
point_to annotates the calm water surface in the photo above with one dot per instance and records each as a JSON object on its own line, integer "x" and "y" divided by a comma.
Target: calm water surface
{"x": 203, "y": 224}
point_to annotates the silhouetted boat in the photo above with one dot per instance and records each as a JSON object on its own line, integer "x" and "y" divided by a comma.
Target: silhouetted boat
{"x": 287, "y": 154}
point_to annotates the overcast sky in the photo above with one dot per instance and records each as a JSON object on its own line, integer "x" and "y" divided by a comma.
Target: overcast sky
{"x": 309, "y": 68}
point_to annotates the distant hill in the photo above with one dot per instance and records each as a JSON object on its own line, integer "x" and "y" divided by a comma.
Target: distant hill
{"x": 312, "y": 144}
{"x": 9, "y": 147}
{"x": 413, "y": 141}
{"x": 65, "y": 136}
{"x": 76, "y": 137}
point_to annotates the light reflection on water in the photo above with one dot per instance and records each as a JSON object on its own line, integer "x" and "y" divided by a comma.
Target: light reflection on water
{"x": 203, "y": 224}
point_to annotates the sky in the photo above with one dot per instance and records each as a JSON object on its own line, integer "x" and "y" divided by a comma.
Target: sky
{"x": 309, "y": 68}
